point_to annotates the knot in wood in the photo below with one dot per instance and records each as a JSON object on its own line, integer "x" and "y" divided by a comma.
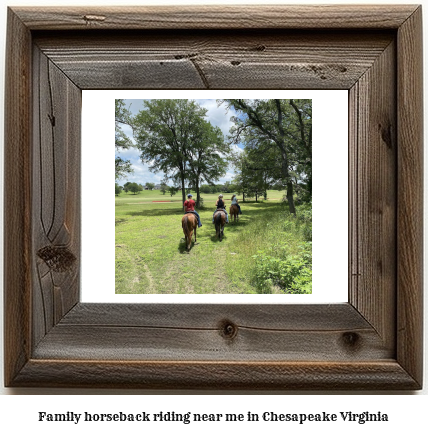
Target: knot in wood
{"x": 58, "y": 259}
{"x": 227, "y": 329}
{"x": 351, "y": 340}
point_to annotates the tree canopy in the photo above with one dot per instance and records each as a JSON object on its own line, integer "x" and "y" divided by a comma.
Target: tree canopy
{"x": 122, "y": 141}
{"x": 277, "y": 135}
{"x": 174, "y": 137}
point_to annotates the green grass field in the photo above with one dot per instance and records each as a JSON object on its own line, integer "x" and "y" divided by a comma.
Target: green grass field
{"x": 151, "y": 256}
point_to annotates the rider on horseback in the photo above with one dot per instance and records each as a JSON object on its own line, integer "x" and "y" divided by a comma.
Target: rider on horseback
{"x": 220, "y": 206}
{"x": 235, "y": 202}
{"x": 189, "y": 207}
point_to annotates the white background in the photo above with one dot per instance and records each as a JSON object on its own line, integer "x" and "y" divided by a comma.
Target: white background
{"x": 406, "y": 411}
{"x": 330, "y": 229}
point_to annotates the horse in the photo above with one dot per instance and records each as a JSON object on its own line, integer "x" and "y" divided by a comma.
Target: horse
{"x": 219, "y": 221}
{"x": 234, "y": 212}
{"x": 189, "y": 223}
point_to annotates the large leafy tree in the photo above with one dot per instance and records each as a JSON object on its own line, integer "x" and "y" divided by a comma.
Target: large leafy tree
{"x": 174, "y": 137}
{"x": 122, "y": 141}
{"x": 278, "y": 136}
{"x": 252, "y": 179}
{"x": 207, "y": 156}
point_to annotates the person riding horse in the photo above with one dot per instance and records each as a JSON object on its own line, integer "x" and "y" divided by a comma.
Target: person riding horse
{"x": 235, "y": 202}
{"x": 220, "y": 206}
{"x": 189, "y": 207}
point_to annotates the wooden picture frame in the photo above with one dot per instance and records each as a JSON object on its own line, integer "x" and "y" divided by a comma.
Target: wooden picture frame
{"x": 372, "y": 342}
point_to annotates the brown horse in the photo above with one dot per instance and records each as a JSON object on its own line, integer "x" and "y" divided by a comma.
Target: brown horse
{"x": 234, "y": 212}
{"x": 219, "y": 221}
{"x": 189, "y": 223}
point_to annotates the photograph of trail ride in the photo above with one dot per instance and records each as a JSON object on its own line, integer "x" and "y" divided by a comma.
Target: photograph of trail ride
{"x": 213, "y": 196}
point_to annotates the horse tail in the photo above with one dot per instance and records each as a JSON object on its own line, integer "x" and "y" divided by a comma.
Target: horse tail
{"x": 185, "y": 226}
{"x": 218, "y": 219}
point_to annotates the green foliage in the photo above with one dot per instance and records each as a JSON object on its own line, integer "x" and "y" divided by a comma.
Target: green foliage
{"x": 172, "y": 190}
{"x": 133, "y": 187}
{"x": 174, "y": 137}
{"x": 117, "y": 188}
{"x": 291, "y": 273}
{"x": 287, "y": 264}
{"x": 163, "y": 187}
{"x": 151, "y": 257}
{"x": 122, "y": 141}
{"x": 277, "y": 136}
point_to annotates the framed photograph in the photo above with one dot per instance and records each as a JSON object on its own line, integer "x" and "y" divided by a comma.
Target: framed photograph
{"x": 373, "y": 341}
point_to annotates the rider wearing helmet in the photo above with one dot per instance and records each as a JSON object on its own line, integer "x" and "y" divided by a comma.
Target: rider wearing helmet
{"x": 220, "y": 205}
{"x": 189, "y": 207}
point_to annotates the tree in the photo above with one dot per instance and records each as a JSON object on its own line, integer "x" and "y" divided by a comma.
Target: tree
{"x": 126, "y": 186}
{"x": 150, "y": 185}
{"x": 205, "y": 188}
{"x": 163, "y": 133}
{"x": 173, "y": 190}
{"x": 117, "y": 189}
{"x": 163, "y": 187}
{"x": 174, "y": 137}
{"x": 134, "y": 188}
{"x": 122, "y": 141}
{"x": 275, "y": 130}
{"x": 303, "y": 152}
{"x": 207, "y": 156}
{"x": 250, "y": 182}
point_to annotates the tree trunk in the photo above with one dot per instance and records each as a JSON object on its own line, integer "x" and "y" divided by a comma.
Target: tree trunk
{"x": 183, "y": 189}
{"x": 281, "y": 146}
{"x": 198, "y": 195}
{"x": 290, "y": 198}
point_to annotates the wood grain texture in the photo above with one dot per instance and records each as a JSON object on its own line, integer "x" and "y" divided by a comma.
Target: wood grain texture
{"x": 373, "y": 177}
{"x": 17, "y": 197}
{"x": 410, "y": 196}
{"x": 215, "y": 59}
{"x": 223, "y": 17}
{"x": 386, "y": 375}
{"x": 372, "y": 342}
{"x": 197, "y": 332}
{"x": 56, "y": 197}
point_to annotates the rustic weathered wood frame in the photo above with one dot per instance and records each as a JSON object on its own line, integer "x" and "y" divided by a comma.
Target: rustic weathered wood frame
{"x": 372, "y": 342}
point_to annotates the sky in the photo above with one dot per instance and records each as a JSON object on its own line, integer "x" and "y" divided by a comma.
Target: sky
{"x": 141, "y": 173}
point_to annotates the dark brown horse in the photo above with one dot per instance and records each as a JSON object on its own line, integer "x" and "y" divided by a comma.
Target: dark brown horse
{"x": 234, "y": 212}
{"x": 219, "y": 221}
{"x": 189, "y": 223}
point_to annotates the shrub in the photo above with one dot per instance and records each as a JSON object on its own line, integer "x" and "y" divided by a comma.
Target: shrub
{"x": 291, "y": 273}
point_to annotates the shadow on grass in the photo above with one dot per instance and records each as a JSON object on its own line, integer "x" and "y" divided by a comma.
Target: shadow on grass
{"x": 156, "y": 212}
{"x": 257, "y": 208}
{"x": 182, "y": 246}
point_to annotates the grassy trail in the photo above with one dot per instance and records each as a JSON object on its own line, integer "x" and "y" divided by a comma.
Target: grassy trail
{"x": 150, "y": 250}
